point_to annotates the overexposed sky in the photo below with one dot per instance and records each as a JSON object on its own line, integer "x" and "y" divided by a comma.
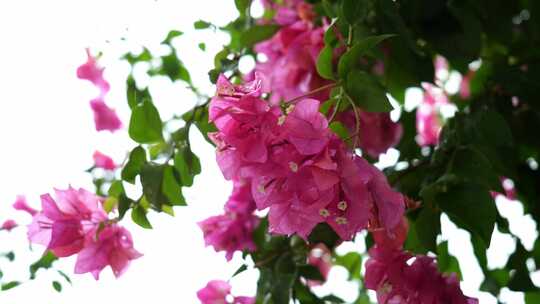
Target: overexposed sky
{"x": 48, "y": 138}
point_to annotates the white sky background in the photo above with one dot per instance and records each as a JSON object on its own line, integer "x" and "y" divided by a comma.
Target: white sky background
{"x": 48, "y": 138}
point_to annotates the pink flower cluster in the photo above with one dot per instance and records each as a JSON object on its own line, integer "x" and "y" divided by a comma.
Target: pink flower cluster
{"x": 232, "y": 231}
{"x": 103, "y": 161}
{"x": 296, "y": 166}
{"x": 290, "y": 68}
{"x": 219, "y": 292}
{"x": 75, "y": 223}
{"x": 429, "y": 121}
{"x": 401, "y": 278}
{"x": 377, "y": 131}
{"x": 105, "y": 118}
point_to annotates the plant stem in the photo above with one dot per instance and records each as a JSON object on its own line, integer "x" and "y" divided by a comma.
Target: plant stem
{"x": 317, "y": 90}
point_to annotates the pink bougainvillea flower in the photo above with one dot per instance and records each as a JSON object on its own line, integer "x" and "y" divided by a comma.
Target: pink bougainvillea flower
{"x": 243, "y": 300}
{"x": 232, "y": 231}
{"x": 290, "y": 69}
{"x": 92, "y": 72}
{"x": 465, "y": 85}
{"x": 399, "y": 277}
{"x": 219, "y": 292}
{"x": 112, "y": 246}
{"x": 105, "y": 118}
{"x": 103, "y": 161}
{"x": 307, "y": 128}
{"x": 64, "y": 223}
{"x": 393, "y": 238}
{"x": 320, "y": 257}
{"x": 214, "y": 292}
{"x": 8, "y": 225}
{"x": 377, "y": 131}
{"x": 509, "y": 189}
{"x": 441, "y": 68}
{"x": 428, "y": 115}
{"x": 22, "y": 205}
{"x": 245, "y": 123}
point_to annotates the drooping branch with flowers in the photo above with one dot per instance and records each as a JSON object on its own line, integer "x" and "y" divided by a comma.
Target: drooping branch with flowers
{"x": 301, "y": 136}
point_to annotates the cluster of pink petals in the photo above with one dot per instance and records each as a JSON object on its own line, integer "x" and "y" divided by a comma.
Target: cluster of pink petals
{"x": 290, "y": 68}
{"x": 296, "y": 166}
{"x": 401, "y": 278}
{"x": 105, "y": 118}
{"x": 509, "y": 189}
{"x": 75, "y": 223}
{"x": 321, "y": 257}
{"x": 377, "y": 131}
{"x": 465, "y": 85}
{"x": 232, "y": 231}
{"x": 8, "y": 225}
{"x": 22, "y": 205}
{"x": 219, "y": 292}
{"x": 428, "y": 115}
{"x": 103, "y": 161}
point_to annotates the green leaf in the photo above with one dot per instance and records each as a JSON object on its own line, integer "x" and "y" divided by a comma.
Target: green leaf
{"x": 471, "y": 207}
{"x": 428, "y": 226}
{"x": 138, "y": 215}
{"x": 9, "y": 285}
{"x": 352, "y": 261}
{"x": 152, "y": 181}
{"x": 446, "y": 262}
{"x": 44, "y": 262}
{"x": 171, "y": 187}
{"x": 137, "y": 159}
{"x": 240, "y": 269}
{"x": 145, "y": 125}
{"x": 202, "y": 46}
{"x": 354, "y": 10}
{"x": 187, "y": 164}
{"x": 116, "y": 189}
{"x": 366, "y": 92}
{"x": 201, "y": 24}
{"x": 134, "y": 95}
{"x": 325, "y": 64}
{"x": 257, "y": 33}
{"x": 351, "y": 58}
{"x": 171, "y": 35}
{"x": 65, "y": 276}
{"x": 124, "y": 203}
{"x": 242, "y": 6}
{"x": 470, "y": 164}
{"x": 532, "y": 297}
{"x": 323, "y": 233}
{"x": 310, "y": 272}
{"x": 57, "y": 286}
{"x": 340, "y": 130}
{"x": 110, "y": 203}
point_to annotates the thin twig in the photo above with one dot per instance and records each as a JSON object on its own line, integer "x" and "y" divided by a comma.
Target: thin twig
{"x": 317, "y": 90}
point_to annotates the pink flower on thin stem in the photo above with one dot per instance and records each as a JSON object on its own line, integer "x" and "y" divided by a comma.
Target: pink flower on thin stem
{"x": 8, "y": 225}
{"x": 320, "y": 257}
{"x": 377, "y": 131}
{"x": 103, "y": 161}
{"x": 465, "y": 86}
{"x": 105, "y": 118}
{"x": 64, "y": 223}
{"x": 112, "y": 246}
{"x": 429, "y": 121}
{"x": 399, "y": 277}
{"x": 92, "y": 72}
{"x": 232, "y": 231}
{"x": 22, "y": 205}
{"x": 219, "y": 292}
